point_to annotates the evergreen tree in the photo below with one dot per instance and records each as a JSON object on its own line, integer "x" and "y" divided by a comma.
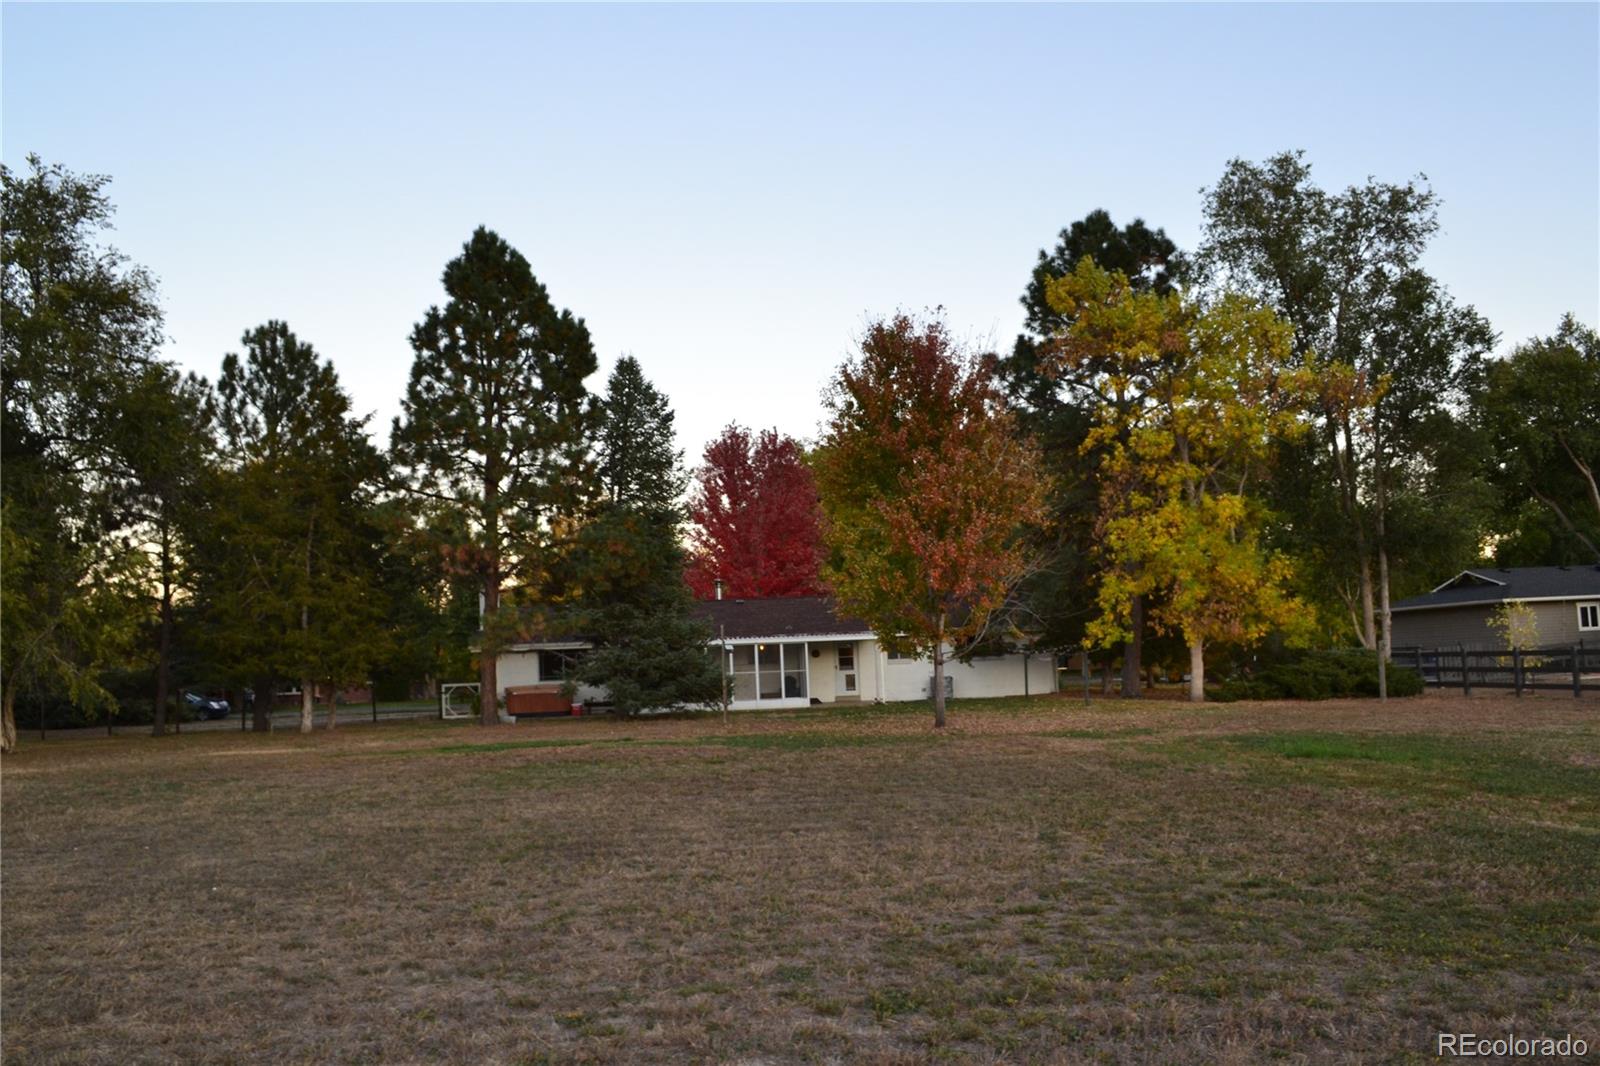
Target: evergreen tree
{"x": 288, "y": 575}
{"x": 650, "y": 651}
{"x": 639, "y": 465}
{"x": 627, "y": 569}
{"x": 168, "y": 449}
{"x": 497, "y": 425}
{"x": 1056, "y": 404}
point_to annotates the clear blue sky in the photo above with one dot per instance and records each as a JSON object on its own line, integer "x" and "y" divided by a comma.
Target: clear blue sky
{"x": 728, "y": 192}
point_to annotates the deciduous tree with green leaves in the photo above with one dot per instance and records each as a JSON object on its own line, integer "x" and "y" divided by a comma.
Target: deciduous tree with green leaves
{"x": 1056, "y": 407}
{"x": 1216, "y": 389}
{"x": 497, "y": 425}
{"x": 1540, "y": 409}
{"x": 927, "y": 489}
{"x": 1383, "y": 475}
{"x": 79, "y": 328}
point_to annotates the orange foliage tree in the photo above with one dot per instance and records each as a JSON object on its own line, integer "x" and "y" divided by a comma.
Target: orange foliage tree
{"x": 926, "y": 490}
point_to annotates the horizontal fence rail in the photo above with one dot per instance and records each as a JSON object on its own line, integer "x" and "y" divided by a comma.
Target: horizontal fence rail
{"x": 1574, "y": 668}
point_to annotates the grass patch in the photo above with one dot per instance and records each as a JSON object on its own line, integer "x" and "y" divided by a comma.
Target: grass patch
{"x": 1250, "y": 883}
{"x": 1491, "y": 765}
{"x": 811, "y": 741}
{"x": 510, "y": 745}
{"x": 1099, "y": 734}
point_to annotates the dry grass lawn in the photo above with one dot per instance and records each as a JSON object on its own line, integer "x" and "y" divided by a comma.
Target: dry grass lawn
{"x": 1045, "y": 882}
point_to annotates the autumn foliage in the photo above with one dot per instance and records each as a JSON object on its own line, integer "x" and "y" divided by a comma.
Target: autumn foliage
{"x": 753, "y": 518}
{"x": 1207, "y": 391}
{"x": 926, "y": 487}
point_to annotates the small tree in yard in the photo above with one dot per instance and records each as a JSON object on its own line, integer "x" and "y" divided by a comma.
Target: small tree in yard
{"x": 1177, "y": 520}
{"x": 497, "y": 424}
{"x": 1516, "y": 624}
{"x": 650, "y": 651}
{"x": 926, "y": 488}
{"x": 625, "y": 574}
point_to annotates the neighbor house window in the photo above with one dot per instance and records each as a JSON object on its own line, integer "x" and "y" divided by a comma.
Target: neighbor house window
{"x": 1589, "y": 616}
{"x": 901, "y": 657}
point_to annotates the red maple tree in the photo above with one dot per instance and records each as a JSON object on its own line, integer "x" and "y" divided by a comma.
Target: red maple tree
{"x": 753, "y": 516}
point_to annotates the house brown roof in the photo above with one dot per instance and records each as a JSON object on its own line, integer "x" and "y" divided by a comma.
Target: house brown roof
{"x": 778, "y": 617}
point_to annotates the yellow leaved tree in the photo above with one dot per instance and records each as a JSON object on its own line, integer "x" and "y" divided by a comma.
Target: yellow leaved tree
{"x": 1201, "y": 394}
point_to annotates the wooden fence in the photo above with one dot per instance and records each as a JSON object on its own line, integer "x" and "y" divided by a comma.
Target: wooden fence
{"x": 1573, "y": 669}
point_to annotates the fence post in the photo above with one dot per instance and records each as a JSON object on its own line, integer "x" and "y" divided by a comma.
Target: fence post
{"x": 1577, "y": 675}
{"x": 372, "y": 690}
{"x": 1466, "y": 678}
{"x": 1417, "y": 653}
{"x": 1516, "y": 669}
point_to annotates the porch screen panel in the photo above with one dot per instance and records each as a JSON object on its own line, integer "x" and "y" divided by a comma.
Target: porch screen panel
{"x": 770, "y": 669}
{"x": 742, "y": 665}
{"x": 794, "y": 671}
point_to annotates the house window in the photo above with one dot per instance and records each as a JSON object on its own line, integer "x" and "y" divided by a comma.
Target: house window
{"x": 742, "y": 665}
{"x": 558, "y": 665}
{"x": 768, "y": 671}
{"x": 901, "y": 657}
{"x": 1589, "y": 616}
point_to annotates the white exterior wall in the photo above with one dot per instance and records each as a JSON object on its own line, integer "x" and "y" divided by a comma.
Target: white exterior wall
{"x": 515, "y": 668}
{"x": 907, "y": 679}
{"x": 877, "y": 678}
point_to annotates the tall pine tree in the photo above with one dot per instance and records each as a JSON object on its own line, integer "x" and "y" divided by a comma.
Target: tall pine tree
{"x": 287, "y": 567}
{"x": 498, "y": 425}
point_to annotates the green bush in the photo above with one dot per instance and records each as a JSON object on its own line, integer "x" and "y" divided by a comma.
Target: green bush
{"x": 1318, "y": 675}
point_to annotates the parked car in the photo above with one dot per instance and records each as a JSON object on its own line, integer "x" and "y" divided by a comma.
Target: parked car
{"x": 205, "y": 708}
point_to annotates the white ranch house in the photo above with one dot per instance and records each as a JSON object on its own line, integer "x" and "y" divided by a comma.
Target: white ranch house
{"x": 791, "y": 652}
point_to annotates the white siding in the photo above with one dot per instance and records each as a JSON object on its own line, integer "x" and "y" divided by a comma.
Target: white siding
{"x": 515, "y": 668}
{"x": 907, "y": 679}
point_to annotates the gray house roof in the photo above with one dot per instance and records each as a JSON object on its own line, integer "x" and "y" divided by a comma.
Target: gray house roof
{"x": 1490, "y": 585}
{"x": 778, "y": 618}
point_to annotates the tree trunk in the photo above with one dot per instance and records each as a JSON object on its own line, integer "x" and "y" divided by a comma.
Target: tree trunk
{"x": 938, "y": 685}
{"x": 1386, "y": 646}
{"x": 1105, "y": 678}
{"x": 1197, "y": 672}
{"x": 1386, "y": 638}
{"x": 333, "y": 706}
{"x": 164, "y": 643}
{"x": 488, "y": 689}
{"x": 1132, "y": 652}
{"x": 8, "y": 719}
{"x": 1369, "y": 625}
{"x": 307, "y": 705}
{"x": 261, "y": 706}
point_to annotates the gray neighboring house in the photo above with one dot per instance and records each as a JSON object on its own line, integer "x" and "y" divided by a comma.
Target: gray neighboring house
{"x": 1565, "y": 600}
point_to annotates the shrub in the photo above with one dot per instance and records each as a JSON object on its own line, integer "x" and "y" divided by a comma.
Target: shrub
{"x": 1318, "y": 675}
